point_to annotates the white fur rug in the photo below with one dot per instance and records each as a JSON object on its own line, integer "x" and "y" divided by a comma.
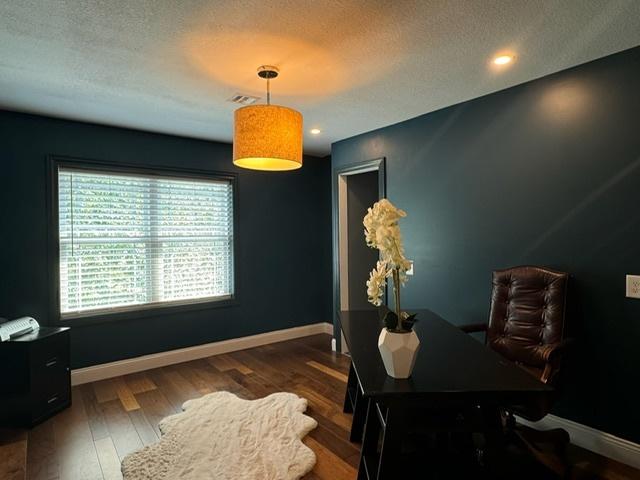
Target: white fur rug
{"x": 223, "y": 437}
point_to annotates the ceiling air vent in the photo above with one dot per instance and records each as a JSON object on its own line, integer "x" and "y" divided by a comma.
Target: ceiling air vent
{"x": 243, "y": 99}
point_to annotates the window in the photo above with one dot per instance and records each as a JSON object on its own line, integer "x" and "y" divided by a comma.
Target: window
{"x": 133, "y": 240}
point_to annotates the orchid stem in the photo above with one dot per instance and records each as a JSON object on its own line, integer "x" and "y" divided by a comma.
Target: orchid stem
{"x": 396, "y": 292}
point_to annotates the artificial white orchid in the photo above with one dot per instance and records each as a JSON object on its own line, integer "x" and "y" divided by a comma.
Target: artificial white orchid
{"x": 376, "y": 283}
{"x": 381, "y": 231}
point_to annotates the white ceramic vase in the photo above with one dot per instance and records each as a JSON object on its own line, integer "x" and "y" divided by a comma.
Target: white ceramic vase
{"x": 399, "y": 352}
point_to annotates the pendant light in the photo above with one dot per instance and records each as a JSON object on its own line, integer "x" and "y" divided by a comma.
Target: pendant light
{"x": 267, "y": 137}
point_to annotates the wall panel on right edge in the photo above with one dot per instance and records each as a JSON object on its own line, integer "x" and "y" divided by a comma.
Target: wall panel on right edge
{"x": 545, "y": 173}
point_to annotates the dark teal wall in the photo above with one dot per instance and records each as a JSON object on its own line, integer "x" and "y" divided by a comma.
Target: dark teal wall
{"x": 544, "y": 173}
{"x": 283, "y": 235}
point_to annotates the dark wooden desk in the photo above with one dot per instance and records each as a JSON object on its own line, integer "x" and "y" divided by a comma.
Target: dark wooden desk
{"x": 453, "y": 373}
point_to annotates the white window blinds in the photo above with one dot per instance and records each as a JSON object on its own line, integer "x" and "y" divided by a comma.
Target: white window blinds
{"x": 128, "y": 240}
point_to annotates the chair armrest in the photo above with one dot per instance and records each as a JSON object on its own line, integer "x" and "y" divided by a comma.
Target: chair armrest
{"x": 474, "y": 327}
{"x": 552, "y": 355}
{"x": 553, "y": 352}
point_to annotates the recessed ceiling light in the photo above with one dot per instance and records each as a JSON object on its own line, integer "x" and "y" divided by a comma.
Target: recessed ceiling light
{"x": 503, "y": 59}
{"x": 314, "y": 131}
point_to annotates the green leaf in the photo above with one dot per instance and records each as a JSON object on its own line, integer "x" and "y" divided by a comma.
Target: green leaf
{"x": 388, "y": 317}
{"x": 382, "y": 311}
{"x": 390, "y": 320}
{"x": 408, "y": 321}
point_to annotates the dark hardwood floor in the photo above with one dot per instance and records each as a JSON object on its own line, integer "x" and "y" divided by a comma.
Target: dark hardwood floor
{"x": 111, "y": 418}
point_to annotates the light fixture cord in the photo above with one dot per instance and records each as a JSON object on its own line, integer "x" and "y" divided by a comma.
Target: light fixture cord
{"x": 268, "y": 91}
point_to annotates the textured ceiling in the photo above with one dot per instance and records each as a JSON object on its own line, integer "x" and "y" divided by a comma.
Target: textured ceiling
{"x": 348, "y": 66}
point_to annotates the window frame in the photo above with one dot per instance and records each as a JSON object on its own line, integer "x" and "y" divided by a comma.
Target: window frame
{"x": 54, "y": 163}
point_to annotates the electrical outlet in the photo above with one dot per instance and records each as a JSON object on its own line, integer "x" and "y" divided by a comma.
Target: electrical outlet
{"x": 633, "y": 286}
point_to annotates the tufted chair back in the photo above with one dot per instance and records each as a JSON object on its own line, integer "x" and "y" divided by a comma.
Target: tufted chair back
{"x": 527, "y": 316}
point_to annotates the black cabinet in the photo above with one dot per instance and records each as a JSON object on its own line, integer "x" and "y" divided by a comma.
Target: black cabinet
{"x": 35, "y": 379}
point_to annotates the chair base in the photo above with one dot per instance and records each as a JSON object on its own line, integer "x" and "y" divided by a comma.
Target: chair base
{"x": 548, "y": 447}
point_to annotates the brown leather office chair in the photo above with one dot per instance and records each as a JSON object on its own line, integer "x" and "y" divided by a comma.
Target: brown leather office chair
{"x": 527, "y": 326}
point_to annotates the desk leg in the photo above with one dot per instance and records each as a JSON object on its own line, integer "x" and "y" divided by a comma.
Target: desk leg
{"x": 368, "y": 452}
{"x": 359, "y": 417}
{"x": 390, "y": 463}
{"x": 494, "y": 436}
{"x": 382, "y": 460}
{"x": 354, "y": 402}
{"x": 352, "y": 382}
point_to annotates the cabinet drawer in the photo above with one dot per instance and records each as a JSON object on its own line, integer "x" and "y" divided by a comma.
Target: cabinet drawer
{"x": 50, "y": 350}
{"x": 50, "y": 365}
{"x": 43, "y": 405}
{"x": 49, "y": 375}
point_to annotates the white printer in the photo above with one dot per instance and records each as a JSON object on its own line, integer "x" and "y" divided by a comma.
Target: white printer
{"x": 14, "y": 328}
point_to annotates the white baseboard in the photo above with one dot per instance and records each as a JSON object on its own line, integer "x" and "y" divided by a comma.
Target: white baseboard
{"x": 597, "y": 441}
{"x": 155, "y": 360}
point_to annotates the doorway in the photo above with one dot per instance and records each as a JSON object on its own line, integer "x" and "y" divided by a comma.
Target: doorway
{"x": 356, "y": 188}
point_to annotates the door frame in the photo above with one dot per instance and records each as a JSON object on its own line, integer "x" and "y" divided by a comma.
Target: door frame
{"x": 338, "y": 177}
